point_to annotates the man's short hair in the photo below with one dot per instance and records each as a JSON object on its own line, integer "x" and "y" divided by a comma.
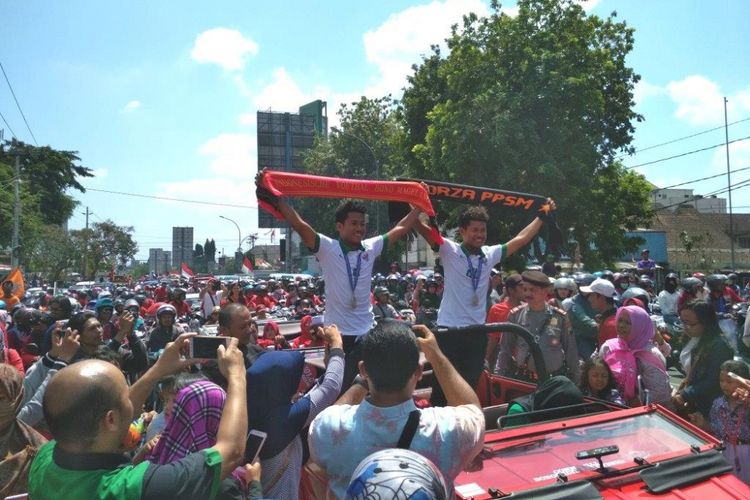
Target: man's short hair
{"x": 474, "y": 212}
{"x": 78, "y": 422}
{"x": 348, "y": 206}
{"x": 227, "y": 313}
{"x": 390, "y": 354}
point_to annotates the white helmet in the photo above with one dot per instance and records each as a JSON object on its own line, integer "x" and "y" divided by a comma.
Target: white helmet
{"x": 396, "y": 473}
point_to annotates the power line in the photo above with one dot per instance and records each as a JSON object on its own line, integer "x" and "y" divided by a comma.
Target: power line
{"x": 687, "y": 153}
{"x": 6, "y": 124}
{"x": 704, "y": 178}
{"x": 681, "y": 138}
{"x": 165, "y": 198}
{"x": 695, "y": 197}
{"x": 18, "y": 104}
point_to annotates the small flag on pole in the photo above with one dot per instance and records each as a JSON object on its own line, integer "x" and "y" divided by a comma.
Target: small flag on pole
{"x": 247, "y": 266}
{"x": 186, "y": 272}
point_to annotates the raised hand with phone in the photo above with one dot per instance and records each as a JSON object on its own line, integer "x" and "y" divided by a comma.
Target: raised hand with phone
{"x": 457, "y": 391}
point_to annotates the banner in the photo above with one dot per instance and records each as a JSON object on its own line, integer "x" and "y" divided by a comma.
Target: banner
{"x": 186, "y": 272}
{"x": 519, "y": 203}
{"x": 315, "y": 186}
{"x": 16, "y": 277}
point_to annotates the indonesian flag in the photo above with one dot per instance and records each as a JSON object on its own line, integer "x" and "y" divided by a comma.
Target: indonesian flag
{"x": 186, "y": 271}
{"x": 247, "y": 266}
{"x": 16, "y": 278}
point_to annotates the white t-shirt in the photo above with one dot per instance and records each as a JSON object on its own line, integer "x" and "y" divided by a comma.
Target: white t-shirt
{"x": 668, "y": 302}
{"x": 209, "y": 302}
{"x": 458, "y": 307}
{"x": 359, "y": 319}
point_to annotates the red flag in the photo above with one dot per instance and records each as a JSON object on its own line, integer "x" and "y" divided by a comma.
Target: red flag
{"x": 186, "y": 271}
{"x": 247, "y": 266}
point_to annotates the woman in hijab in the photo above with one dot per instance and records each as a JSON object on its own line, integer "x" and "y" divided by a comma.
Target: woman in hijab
{"x": 633, "y": 354}
{"x": 18, "y": 441}
{"x": 193, "y": 425}
{"x": 272, "y": 337}
{"x": 306, "y": 337}
{"x": 272, "y": 382}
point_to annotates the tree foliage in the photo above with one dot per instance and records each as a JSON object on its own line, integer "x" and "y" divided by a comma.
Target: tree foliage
{"x": 46, "y": 175}
{"x": 541, "y": 103}
{"x": 105, "y": 245}
{"x": 370, "y": 144}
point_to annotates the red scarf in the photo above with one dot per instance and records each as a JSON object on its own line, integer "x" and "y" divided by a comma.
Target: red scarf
{"x": 314, "y": 186}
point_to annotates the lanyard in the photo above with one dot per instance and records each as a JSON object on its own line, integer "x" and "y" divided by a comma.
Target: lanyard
{"x": 475, "y": 274}
{"x": 353, "y": 276}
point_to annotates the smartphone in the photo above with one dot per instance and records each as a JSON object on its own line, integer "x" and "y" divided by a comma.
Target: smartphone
{"x": 60, "y": 327}
{"x": 317, "y": 321}
{"x": 255, "y": 441}
{"x": 205, "y": 346}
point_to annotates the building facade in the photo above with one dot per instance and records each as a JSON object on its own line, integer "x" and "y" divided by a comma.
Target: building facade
{"x": 159, "y": 261}
{"x": 182, "y": 246}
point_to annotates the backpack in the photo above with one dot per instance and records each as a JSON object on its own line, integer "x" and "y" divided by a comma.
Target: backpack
{"x": 621, "y": 361}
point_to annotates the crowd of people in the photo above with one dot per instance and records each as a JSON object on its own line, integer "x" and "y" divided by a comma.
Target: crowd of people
{"x": 99, "y": 395}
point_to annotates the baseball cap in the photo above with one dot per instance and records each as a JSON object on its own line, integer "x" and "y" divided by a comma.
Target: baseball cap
{"x": 600, "y": 286}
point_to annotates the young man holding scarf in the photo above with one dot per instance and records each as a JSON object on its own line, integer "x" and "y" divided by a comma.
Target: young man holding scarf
{"x": 347, "y": 264}
{"x": 467, "y": 277}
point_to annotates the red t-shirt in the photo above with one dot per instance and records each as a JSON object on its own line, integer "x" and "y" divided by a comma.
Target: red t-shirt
{"x": 183, "y": 308}
{"x": 498, "y": 314}
{"x": 607, "y": 329}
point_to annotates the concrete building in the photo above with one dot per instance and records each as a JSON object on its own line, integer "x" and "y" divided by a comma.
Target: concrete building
{"x": 182, "y": 246}
{"x": 671, "y": 199}
{"x": 159, "y": 261}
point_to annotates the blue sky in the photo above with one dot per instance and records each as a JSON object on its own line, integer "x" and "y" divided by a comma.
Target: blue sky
{"x": 159, "y": 98}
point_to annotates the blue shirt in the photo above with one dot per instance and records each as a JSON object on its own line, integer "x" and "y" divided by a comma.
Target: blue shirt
{"x": 343, "y": 435}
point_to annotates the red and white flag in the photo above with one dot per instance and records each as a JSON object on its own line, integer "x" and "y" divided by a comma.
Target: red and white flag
{"x": 186, "y": 272}
{"x": 247, "y": 266}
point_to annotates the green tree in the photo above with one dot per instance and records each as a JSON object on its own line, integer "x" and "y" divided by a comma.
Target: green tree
{"x": 370, "y": 144}
{"x": 52, "y": 252}
{"x": 539, "y": 103}
{"x": 46, "y": 174}
{"x": 105, "y": 246}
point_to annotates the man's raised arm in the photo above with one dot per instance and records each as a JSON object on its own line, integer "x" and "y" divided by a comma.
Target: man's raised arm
{"x": 403, "y": 226}
{"x": 527, "y": 234}
{"x": 307, "y": 233}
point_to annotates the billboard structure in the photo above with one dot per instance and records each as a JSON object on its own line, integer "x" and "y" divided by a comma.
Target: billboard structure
{"x": 282, "y": 138}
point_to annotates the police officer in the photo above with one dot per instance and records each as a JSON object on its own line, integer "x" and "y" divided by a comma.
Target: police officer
{"x": 548, "y": 324}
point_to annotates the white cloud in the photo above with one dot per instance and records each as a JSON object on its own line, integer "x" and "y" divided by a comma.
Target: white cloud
{"x": 644, "y": 90}
{"x": 100, "y": 173}
{"x": 588, "y": 5}
{"x": 131, "y": 107}
{"x": 400, "y": 41}
{"x": 234, "y": 155}
{"x": 216, "y": 189}
{"x": 700, "y": 101}
{"x": 246, "y": 118}
{"x": 225, "y": 47}
{"x": 739, "y": 157}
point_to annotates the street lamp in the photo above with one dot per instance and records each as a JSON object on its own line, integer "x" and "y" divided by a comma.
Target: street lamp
{"x": 377, "y": 167}
{"x": 239, "y": 240}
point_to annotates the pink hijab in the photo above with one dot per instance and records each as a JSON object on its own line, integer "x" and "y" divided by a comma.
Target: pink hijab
{"x": 641, "y": 336}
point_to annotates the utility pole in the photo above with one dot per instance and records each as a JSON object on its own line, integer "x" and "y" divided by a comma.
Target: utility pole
{"x": 15, "y": 245}
{"x": 729, "y": 182}
{"x": 86, "y": 245}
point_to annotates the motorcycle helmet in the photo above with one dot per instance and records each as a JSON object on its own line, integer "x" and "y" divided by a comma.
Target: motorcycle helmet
{"x": 166, "y": 309}
{"x": 700, "y": 276}
{"x": 692, "y": 284}
{"x": 397, "y": 473}
{"x": 716, "y": 281}
{"x": 565, "y": 283}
